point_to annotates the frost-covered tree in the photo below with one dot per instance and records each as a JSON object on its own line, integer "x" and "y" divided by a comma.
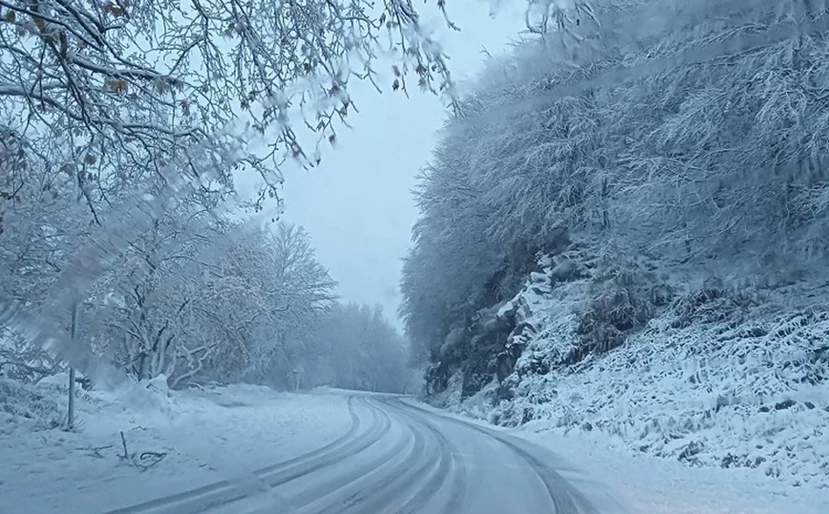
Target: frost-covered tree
{"x": 39, "y": 223}
{"x": 295, "y": 291}
{"x": 692, "y": 131}
{"x": 252, "y": 309}
{"x": 136, "y": 312}
{"x": 124, "y": 87}
{"x": 355, "y": 347}
{"x": 39, "y": 226}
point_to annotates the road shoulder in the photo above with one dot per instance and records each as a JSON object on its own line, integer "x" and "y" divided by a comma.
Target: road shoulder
{"x": 650, "y": 485}
{"x": 174, "y": 440}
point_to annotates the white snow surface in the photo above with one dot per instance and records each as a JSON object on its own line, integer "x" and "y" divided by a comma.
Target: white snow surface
{"x": 205, "y": 436}
{"x": 646, "y": 484}
{"x": 737, "y": 401}
{"x": 226, "y": 432}
{"x": 601, "y": 466}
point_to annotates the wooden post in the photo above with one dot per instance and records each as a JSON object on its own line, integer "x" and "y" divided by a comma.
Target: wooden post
{"x": 74, "y": 335}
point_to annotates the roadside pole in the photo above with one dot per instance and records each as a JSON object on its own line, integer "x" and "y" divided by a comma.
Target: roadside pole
{"x": 74, "y": 335}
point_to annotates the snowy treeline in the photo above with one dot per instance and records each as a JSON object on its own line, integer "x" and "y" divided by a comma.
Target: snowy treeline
{"x": 225, "y": 303}
{"x": 195, "y": 298}
{"x": 126, "y": 130}
{"x": 243, "y": 316}
{"x": 355, "y": 347}
{"x": 691, "y": 134}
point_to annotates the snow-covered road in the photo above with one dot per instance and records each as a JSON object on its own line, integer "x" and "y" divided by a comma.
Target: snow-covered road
{"x": 246, "y": 449}
{"x": 397, "y": 456}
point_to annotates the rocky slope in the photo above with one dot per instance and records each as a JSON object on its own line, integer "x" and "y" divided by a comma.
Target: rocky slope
{"x": 676, "y": 362}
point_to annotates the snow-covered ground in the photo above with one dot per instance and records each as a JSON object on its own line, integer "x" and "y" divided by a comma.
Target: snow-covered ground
{"x": 204, "y": 436}
{"x": 226, "y": 433}
{"x": 724, "y": 388}
{"x": 646, "y": 484}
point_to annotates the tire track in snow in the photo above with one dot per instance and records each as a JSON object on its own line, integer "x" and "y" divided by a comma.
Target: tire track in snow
{"x": 222, "y": 492}
{"x": 380, "y": 426}
{"x": 565, "y": 498}
{"x": 412, "y": 480}
{"x": 449, "y": 462}
{"x": 373, "y": 477}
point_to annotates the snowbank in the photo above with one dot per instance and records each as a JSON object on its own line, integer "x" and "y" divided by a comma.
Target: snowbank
{"x": 174, "y": 440}
{"x": 650, "y": 485}
{"x": 721, "y": 379}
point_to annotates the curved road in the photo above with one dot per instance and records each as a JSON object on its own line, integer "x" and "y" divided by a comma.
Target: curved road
{"x": 400, "y": 457}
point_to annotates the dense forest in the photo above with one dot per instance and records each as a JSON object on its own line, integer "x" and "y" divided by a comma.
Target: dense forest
{"x": 141, "y": 156}
{"x": 650, "y": 177}
{"x": 258, "y": 308}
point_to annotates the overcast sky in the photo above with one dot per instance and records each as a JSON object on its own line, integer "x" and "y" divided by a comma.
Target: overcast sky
{"x": 357, "y": 204}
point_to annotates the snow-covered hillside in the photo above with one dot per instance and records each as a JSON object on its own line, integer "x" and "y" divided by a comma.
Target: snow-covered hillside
{"x": 624, "y": 234}
{"x": 710, "y": 376}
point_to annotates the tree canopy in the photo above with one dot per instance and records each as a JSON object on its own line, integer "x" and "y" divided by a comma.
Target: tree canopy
{"x": 693, "y": 131}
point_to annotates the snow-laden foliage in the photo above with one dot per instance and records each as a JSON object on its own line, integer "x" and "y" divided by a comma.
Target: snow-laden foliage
{"x": 39, "y": 224}
{"x": 642, "y": 192}
{"x": 718, "y": 377}
{"x": 711, "y": 158}
{"x": 279, "y": 291}
{"x": 24, "y": 406}
{"x": 193, "y": 300}
{"x": 22, "y": 361}
{"x": 111, "y": 91}
{"x": 238, "y": 317}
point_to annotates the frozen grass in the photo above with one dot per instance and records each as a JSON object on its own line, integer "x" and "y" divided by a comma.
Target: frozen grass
{"x": 718, "y": 377}
{"x": 25, "y": 408}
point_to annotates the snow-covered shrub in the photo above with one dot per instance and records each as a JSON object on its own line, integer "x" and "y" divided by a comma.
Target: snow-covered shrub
{"x": 23, "y": 361}
{"x": 619, "y": 304}
{"x": 34, "y": 408}
{"x": 710, "y": 304}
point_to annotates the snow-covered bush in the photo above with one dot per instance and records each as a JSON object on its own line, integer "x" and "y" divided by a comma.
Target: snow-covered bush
{"x": 710, "y": 304}
{"x": 23, "y": 361}
{"x": 619, "y": 304}
{"x": 28, "y": 406}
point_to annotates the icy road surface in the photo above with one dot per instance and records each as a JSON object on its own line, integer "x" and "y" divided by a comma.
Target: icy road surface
{"x": 246, "y": 449}
{"x": 398, "y": 456}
